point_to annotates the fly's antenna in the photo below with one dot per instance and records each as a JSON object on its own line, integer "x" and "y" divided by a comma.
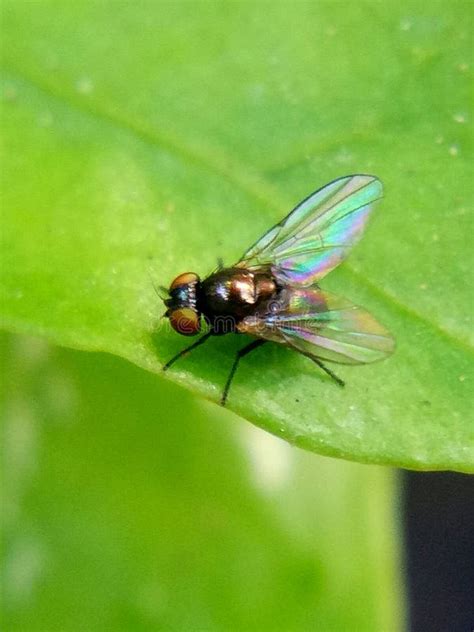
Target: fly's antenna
{"x": 160, "y": 290}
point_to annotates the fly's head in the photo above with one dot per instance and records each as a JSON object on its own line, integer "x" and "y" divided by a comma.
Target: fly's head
{"x": 182, "y": 311}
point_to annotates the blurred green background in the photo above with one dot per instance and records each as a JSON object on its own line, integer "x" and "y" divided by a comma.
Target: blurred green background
{"x": 142, "y": 139}
{"x": 128, "y": 505}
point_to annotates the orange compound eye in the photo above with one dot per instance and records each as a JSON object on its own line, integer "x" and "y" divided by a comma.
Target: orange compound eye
{"x": 185, "y": 321}
{"x": 186, "y": 278}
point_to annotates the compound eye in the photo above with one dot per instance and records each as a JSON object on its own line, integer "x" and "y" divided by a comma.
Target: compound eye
{"x": 186, "y": 278}
{"x": 185, "y": 321}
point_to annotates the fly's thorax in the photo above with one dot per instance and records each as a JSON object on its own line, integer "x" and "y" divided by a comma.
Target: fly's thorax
{"x": 235, "y": 292}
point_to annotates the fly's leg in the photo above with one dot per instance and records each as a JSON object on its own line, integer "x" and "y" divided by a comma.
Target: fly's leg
{"x": 338, "y": 380}
{"x": 240, "y": 354}
{"x": 183, "y": 352}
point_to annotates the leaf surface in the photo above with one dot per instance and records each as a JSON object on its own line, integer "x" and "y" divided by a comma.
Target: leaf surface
{"x": 146, "y": 141}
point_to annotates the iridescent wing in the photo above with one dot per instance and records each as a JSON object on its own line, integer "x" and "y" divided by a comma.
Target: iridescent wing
{"x": 321, "y": 325}
{"x": 318, "y": 234}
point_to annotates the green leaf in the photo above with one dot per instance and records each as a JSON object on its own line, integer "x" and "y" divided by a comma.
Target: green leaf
{"x": 146, "y": 139}
{"x": 120, "y": 514}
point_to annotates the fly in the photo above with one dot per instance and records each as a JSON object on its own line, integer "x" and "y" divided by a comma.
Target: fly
{"x": 272, "y": 293}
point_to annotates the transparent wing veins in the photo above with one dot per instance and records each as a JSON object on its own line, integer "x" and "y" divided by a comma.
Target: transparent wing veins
{"x": 323, "y": 325}
{"x": 318, "y": 234}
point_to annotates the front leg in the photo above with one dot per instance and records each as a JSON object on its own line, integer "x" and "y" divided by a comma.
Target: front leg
{"x": 186, "y": 350}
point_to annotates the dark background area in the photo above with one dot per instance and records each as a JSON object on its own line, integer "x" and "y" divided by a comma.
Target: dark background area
{"x": 439, "y": 535}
